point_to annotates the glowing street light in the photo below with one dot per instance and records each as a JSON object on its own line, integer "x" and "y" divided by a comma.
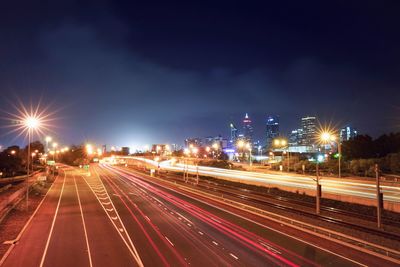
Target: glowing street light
{"x": 30, "y": 123}
{"x": 240, "y": 143}
{"x": 89, "y": 149}
{"x": 186, "y": 151}
{"x": 328, "y": 137}
{"x": 283, "y": 143}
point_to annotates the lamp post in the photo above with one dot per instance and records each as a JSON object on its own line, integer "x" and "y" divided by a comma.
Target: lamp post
{"x": 48, "y": 140}
{"x": 30, "y": 123}
{"x": 327, "y": 137}
{"x": 240, "y": 144}
{"x": 283, "y": 144}
{"x": 248, "y": 146}
{"x": 54, "y": 147}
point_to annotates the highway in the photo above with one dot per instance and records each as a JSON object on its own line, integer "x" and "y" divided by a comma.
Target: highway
{"x": 344, "y": 187}
{"x": 72, "y": 228}
{"x": 113, "y": 216}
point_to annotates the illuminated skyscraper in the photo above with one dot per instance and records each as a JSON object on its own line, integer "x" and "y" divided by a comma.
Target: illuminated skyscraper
{"x": 247, "y": 128}
{"x": 234, "y": 133}
{"x": 348, "y": 132}
{"x": 272, "y": 130}
{"x": 309, "y": 127}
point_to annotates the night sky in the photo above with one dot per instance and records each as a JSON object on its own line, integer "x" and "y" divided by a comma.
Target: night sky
{"x": 131, "y": 73}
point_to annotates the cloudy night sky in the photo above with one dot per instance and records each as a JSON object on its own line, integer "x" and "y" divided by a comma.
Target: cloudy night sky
{"x": 125, "y": 73}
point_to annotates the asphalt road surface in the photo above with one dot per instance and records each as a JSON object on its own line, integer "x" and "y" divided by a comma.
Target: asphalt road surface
{"x": 112, "y": 216}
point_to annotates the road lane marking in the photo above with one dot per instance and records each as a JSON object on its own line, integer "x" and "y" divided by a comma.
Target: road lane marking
{"x": 184, "y": 217}
{"x": 84, "y": 225}
{"x": 215, "y": 220}
{"x": 169, "y": 241}
{"x": 234, "y": 256}
{"x": 270, "y": 248}
{"x": 131, "y": 247}
{"x": 215, "y": 243}
{"x": 52, "y": 224}
{"x": 201, "y": 233}
{"x": 110, "y": 209}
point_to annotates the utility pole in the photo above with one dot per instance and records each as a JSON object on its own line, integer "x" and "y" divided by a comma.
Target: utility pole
{"x": 340, "y": 157}
{"x": 27, "y": 169}
{"x": 184, "y": 170}
{"x": 379, "y": 198}
{"x": 197, "y": 173}
{"x": 318, "y": 193}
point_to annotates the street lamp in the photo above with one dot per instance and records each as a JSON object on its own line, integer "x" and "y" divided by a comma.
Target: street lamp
{"x": 30, "y": 123}
{"x": 283, "y": 143}
{"x": 248, "y": 146}
{"x": 48, "y": 140}
{"x": 55, "y": 145}
{"x": 327, "y": 137}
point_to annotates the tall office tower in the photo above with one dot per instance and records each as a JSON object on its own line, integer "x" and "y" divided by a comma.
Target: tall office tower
{"x": 348, "y": 132}
{"x": 247, "y": 128}
{"x": 295, "y": 137}
{"x": 272, "y": 130}
{"x": 309, "y": 127}
{"x": 234, "y": 134}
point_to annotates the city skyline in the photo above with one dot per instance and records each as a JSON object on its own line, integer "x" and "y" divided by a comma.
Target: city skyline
{"x": 257, "y": 127}
{"x": 127, "y": 79}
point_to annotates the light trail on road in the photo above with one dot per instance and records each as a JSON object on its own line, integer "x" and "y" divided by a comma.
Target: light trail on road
{"x": 360, "y": 189}
{"x": 256, "y": 244}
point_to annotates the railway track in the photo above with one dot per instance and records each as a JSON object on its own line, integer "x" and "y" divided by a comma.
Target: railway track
{"x": 215, "y": 187}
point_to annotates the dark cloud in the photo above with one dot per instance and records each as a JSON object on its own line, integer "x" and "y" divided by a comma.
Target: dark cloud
{"x": 139, "y": 74}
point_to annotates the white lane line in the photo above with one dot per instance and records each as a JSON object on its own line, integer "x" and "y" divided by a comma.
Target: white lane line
{"x": 215, "y": 220}
{"x": 84, "y": 225}
{"x": 184, "y": 217}
{"x": 270, "y": 248}
{"x": 3, "y": 259}
{"x": 159, "y": 201}
{"x": 169, "y": 241}
{"x": 131, "y": 247}
{"x": 233, "y": 256}
{"x": 52, "y": 224}
{"x": 201, "y": 233}
{"x": 215, "y": 243}
{"x": 147, "y": 217}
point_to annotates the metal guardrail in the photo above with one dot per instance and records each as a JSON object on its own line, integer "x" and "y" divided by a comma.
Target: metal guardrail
{"x": 10, "y": 201}
{"x": 16, "y": 178}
